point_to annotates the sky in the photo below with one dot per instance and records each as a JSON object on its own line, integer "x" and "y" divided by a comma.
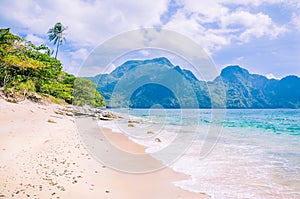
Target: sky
{"x": 262, "y": 36}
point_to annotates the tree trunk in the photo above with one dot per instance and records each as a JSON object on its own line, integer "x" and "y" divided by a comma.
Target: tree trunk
{"x": 56, "y": 50}
{"x": 5, "y": 79}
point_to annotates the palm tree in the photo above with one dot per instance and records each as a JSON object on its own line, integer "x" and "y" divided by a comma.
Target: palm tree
{"x": 55, "y": 34}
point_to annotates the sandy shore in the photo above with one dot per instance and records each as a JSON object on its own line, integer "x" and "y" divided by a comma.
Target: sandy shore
{"x": 41, "y": 156}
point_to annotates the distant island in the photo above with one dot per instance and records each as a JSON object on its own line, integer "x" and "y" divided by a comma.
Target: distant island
{"x": 242, "y": 89}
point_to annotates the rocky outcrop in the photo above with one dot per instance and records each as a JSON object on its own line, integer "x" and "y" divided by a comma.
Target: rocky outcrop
{"x": 87, "y": 111}
{"x": 17, "y": 97}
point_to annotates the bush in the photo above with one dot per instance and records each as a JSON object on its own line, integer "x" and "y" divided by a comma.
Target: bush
{"x": 20, "y": 90}
{"x": 26, "y": 69}
{"x": 85, "y": 93}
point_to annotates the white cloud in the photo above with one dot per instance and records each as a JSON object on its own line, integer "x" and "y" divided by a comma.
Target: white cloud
{"x": 34, "y": 39}
{"x": 80, "y": 54}
{"x": 214, "y": 25}
{"x": 271, "y": 76}
{"x": 145, "y": 53}
{"x": 110, "y": 68}
{"x": 73, "y": 60}
{"x": 210, "y": 40}
{"x": 206, "y": 11}
{"x": 296, "y": 21}
{"x": 252, "y": 25}
{"x": 252, "y": 2}
{"x": 89, "y": 22}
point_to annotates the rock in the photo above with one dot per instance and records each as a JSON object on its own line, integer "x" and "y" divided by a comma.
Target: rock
{"x": 108, "y": 114}
{"x": 34, "y": 97}
{"x": 59, "y": 112}
{"x": 105, "y": 118}
{"x": 98, "y": 111}
{"x": 69, "y": 114}
{"x": 65, "y": 111}
{"x": 150, "y": 133}
{"x": 14, "y": 99}
{"x": 135, "y": 121}
{"x": 1, "y": 91}
{"x": 50, "y": 121}
{"x": 130, "y": 125}
{"x": 83, "y": 111}
{"x": 90, "y": 112}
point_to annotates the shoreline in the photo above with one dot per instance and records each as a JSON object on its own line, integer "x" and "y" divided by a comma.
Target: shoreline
{"x": 43, "y": 157}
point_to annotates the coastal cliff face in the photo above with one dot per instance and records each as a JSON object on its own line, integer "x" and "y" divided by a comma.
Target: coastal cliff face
{"x": 245, "y": 90}
{"x": 241, "y": 89}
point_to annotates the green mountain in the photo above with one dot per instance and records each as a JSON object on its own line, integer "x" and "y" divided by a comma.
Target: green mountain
{"x": 157, "y": 82}
{"x": 245, "y": 90}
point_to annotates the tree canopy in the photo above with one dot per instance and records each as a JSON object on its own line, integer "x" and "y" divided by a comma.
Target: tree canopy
{"x": 56, "y": 34}
{"x": 26, "y": 69}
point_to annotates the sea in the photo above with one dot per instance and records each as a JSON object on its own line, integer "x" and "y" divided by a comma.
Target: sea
{"x": 235, "y": 153}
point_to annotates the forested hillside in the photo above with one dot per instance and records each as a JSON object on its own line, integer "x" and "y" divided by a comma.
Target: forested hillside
{"x": 29, "y": 71}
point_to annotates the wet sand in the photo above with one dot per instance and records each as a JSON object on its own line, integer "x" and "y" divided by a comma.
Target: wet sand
{"x": 42, "y": 156}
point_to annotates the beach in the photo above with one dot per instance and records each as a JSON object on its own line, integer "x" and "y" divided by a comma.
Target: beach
{"x": 42, "y": 157}
{"x": 256, "y": 154}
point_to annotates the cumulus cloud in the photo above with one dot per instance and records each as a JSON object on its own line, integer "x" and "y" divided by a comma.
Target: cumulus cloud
{"x": 252, "y": 25}
{"x": 80, "y": 54}
{"x": 296, "y": 21}
{"x": 89, "y": 22}
{"x": 209, "y": 39}
{"x": 214, "y": 25}
{"x": 34, "y": 39}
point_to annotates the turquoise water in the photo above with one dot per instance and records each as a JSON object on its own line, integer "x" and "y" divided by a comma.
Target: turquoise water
{"x": 278, "y": 121}
{"x": 255, "y": 153}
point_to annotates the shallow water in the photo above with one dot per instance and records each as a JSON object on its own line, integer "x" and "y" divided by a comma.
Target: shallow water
{"x": 250, "y": 154}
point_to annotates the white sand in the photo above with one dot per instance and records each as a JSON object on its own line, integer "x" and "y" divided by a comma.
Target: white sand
{"x": 41, "y": 159}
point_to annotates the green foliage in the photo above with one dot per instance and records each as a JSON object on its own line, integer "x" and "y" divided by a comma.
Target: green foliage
{"x": 234, "y": 88}
{"x": 58, "y": 90}
{"x": 85, "y": 93}
{"x": 20, "y": 89}
{"x": 55, "y": 34}
{"x": 143, "y": 84}
{"x": 26, "y": 69}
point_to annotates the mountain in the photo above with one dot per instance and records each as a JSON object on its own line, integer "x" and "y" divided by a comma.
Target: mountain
{"x": 157, "y": 82}
{"x": 245, "y": 90}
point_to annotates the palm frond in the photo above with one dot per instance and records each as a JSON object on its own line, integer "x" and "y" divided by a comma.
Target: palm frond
{"x": 56, "y": 35}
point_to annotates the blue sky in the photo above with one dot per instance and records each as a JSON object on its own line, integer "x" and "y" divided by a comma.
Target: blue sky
{"x": 262, "y": 36}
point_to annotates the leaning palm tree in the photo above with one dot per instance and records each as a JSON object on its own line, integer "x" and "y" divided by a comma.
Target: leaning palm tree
{"x": 55, "y": 34}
